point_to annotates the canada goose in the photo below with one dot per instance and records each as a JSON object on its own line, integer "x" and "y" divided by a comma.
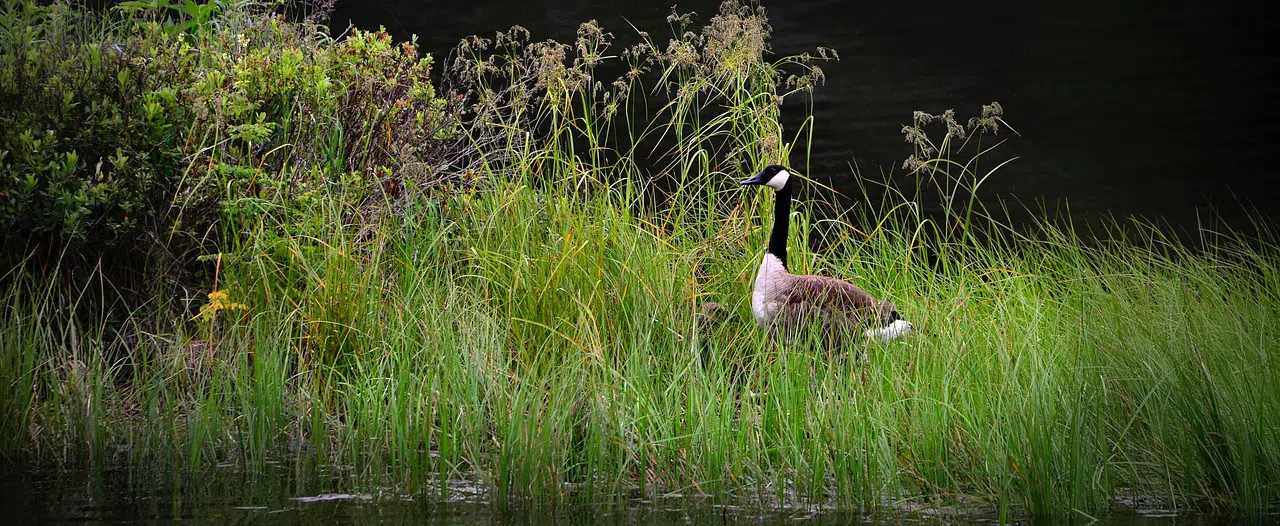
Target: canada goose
{"x": 712, "y": 314}
{"x": 786, "y": 304}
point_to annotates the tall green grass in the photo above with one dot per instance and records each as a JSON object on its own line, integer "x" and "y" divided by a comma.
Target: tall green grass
{"x": 535, "y": 333}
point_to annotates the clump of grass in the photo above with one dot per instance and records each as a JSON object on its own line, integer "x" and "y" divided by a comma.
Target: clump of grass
{"x": 535, "y": 331}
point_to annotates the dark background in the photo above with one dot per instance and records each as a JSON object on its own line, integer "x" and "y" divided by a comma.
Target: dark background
{"x": 1163, "y": 110}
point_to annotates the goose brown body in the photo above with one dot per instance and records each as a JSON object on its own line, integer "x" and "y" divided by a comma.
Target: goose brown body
{"x": 789, "y": 305}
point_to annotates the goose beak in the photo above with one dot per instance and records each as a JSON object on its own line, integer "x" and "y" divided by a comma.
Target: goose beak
{"x": 756, "y": 179}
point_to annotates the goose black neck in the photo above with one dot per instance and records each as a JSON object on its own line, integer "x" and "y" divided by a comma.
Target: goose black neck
{"x": 781, "y": 215}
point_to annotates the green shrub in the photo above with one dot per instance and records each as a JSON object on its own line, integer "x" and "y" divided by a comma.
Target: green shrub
{"x": 79, "y": 156}
{"x": 165, "y": 122}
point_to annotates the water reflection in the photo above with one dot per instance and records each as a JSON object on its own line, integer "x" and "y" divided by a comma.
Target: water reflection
{"x": 277, "y": 494}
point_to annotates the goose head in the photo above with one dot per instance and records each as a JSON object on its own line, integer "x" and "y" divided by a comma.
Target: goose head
{"x": 774, "y": 176}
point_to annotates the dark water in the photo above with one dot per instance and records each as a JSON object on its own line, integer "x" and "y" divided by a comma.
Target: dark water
{"x": 277, "y": 495}
{"x": 1165, "y": 110}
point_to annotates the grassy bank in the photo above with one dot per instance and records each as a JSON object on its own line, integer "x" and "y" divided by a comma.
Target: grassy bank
{"x": 523, "y": 315}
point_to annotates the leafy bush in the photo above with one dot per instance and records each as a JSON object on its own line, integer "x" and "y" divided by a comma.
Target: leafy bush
{"x": 79, "y": 144}
{"x": 159, "y": 122}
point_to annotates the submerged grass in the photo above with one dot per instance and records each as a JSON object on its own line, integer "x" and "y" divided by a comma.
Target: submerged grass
{"x": 536, "y": 333}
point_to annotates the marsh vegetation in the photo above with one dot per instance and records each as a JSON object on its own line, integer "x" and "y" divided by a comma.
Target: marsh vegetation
{"x": 231, "y": 238}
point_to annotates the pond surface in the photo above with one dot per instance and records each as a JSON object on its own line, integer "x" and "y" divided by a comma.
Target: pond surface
{"x": 1165, "y": 110}
{"x": 275, "y": 495}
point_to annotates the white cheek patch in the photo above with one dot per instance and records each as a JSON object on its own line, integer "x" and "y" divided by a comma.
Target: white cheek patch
{"x": 779, "y": 180}
{"x": 897, "y": 329}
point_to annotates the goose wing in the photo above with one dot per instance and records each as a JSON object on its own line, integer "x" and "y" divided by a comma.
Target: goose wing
{"x": 837, "y": 307}
{"x": 828, "y": 294}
